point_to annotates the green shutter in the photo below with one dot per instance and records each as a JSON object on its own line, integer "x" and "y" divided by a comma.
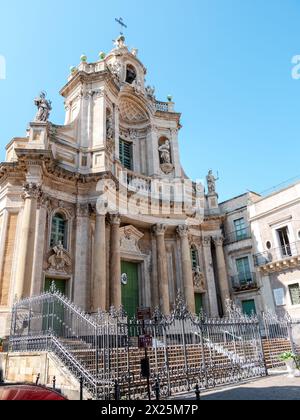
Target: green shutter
{"x": 249, "y": 307}
{"x": 295, "y": 294}
{"x": 57, "y": 320}
{"x": 126, "y": 154}
{"x": 130, "y": 291}
{"x": 198, "y": 303}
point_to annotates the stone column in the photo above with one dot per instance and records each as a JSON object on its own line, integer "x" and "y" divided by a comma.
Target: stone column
{"x": 99, "y": 268}
{"x": 187, "y": 272}
{"x": 210, "y": 277}
{"x": 222, "y": 270}
{"x": 81, "y": 286}
{"x": 115, "y": 262}
{"x": 162, "y": 269}
{"x": 26, "y": 251}
{"x": 37, "y": 286}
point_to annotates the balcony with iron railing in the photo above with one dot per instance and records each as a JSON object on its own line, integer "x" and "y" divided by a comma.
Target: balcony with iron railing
{"x": 238, "y": 235}
{"x": 281, "y": 254}
{"x": 244, "y": 282}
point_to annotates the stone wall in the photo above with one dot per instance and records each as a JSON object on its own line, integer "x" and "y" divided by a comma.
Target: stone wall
{"x": 25, "y": 367}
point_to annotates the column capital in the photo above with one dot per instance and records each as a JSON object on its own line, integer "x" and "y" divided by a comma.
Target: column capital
{"x": 159, "y": 229}
{"x": 183, "y": 231}
{"x": 115, "y": 219}
{"x": 206, "y": 241}
{"x": 31, "y": 190}
{"x": 219, "y": 240}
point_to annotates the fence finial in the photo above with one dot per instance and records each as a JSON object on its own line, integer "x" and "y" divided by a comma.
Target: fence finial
{"x": 53, "y": 287}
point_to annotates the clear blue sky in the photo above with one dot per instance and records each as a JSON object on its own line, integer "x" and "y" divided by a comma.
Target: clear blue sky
{"x": 226, "y": 62}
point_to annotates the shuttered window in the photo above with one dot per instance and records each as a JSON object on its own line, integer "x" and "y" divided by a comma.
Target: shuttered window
{"x": 126, "y": 154}
{"x": 59, "y": 231}
{"x": 295, "y": 294}
{"x": 194, "y": 257}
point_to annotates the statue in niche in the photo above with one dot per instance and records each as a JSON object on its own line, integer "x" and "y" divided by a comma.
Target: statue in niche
{"x": 109, "y": 128}
{"x": 44, "y": 107}
{"x": 211, "y": 182}
{"x": 165, "y": 153}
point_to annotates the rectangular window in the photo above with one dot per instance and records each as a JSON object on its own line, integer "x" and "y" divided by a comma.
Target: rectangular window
{"x": 284, "y": 240}
{"x": 244, "y": 271}
{"x": 126, "y": 154}
{"x": 295, "y": 294}
{"x": 240, "y": 229}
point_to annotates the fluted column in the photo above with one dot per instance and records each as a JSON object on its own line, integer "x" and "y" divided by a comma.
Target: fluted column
{"x": 187, "y": 272}
{"x": 26, "y": 251}
{"x": 222, "y": 270}
{"x": 162, "y": 269}
{"x": 210, "y": 277}
{"x": 99, "y": 264}
{"x": 115, "y": 262}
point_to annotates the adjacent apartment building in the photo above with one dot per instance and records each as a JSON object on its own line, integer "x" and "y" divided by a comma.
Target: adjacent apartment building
{"x": 262, "y": 248}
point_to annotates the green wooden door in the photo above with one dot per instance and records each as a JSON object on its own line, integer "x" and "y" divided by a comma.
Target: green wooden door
{"x": 249, "y": 307}
{"x": 198, "y": 303}
{"x": 57, "y": 317}
{"x": 130, "y": 291}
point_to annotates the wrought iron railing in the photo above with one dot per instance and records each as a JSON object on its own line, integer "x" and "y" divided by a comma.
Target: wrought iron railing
{"x": 238, "y": 235}
{"x": 244, "y": 282}
{"x": 104, "y": 351}
{"x": 277, "y": 254}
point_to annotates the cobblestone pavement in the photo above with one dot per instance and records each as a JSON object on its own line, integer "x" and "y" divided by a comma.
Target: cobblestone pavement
{"x": 272, "y": 388}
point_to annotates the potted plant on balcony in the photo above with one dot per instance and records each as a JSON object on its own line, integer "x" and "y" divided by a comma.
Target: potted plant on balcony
{"x": 292, "y": 362}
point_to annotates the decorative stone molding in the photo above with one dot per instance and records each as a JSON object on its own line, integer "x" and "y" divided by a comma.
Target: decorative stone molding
{"x": 219, "y": 240}
{"x": 130, "y": 238}
{"x": 115, "y": 219}
{"x": 198, "y": 278}
{"x": 82, "y": 210}
{"x": 183, "y": 231}
{"x": 167, "y": 168}
{"x": 206, "y": 241}
{"x": 59, "y": 260}
{"x": 31, "y": 190}
{"x": 159, "y": 229}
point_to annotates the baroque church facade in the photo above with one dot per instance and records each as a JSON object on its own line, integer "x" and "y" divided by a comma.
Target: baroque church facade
{"x": 101, "y": 205}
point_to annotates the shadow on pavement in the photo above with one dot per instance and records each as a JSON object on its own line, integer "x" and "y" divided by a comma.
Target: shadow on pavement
{"x": 284, "y": 393}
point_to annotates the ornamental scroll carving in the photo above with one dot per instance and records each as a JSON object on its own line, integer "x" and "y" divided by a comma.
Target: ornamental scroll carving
{"x": 59, "y": 260}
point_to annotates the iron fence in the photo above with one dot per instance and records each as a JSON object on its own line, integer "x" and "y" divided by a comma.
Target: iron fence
{"x": 104, "y": 352}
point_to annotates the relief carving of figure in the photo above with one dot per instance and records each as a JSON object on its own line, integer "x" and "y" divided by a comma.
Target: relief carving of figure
{"x": 44, "y": 107}
{"x": 109, "y": 128}
{"x": 211, "y": 182}
{"x": 60, "y": 260}
{"x": 198, "y": 278}
{"x": 165, "y": 153}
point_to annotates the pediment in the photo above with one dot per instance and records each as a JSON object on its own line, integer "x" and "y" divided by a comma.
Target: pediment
{"x": 130, "y": 237}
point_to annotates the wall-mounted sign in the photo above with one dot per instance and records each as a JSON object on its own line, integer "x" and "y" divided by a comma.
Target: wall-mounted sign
{"x": 279, "y": 297}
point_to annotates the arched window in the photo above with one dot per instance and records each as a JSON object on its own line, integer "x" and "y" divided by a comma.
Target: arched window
{"x": 130, "y": 74}
{"x": 194, "y": 257}
{"x": 59, "y": 231}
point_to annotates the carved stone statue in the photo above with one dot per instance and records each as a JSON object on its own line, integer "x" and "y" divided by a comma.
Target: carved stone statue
{"x": 198, "y": 278}
{"x": 44, "y": 107}
{"x": 60, "y": 260}
{"x": 109, "y": 128}
{"x": 211, "y": 182}
{"x": 150, "y": 91}
{"x": 165, "y": 153}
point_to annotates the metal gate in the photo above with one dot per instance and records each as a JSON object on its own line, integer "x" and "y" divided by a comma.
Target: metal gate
{"x": 105, "y": 352}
